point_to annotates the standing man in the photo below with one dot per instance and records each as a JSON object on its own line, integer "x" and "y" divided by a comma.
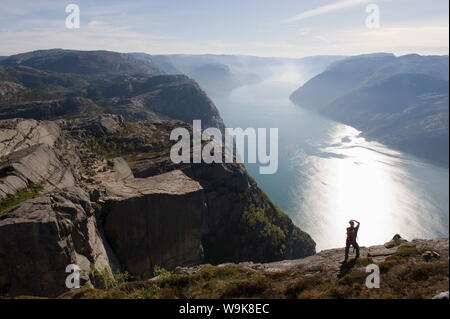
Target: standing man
{"x": 352, "y": 233}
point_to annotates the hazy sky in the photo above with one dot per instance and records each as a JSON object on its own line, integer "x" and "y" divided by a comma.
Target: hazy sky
{"x": 289, "y": 28}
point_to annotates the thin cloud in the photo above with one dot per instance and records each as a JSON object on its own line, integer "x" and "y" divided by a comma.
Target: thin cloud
{"x": 336, "y": 6}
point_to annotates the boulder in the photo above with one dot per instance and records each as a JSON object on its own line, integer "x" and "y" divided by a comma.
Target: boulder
{"x": 35, "y": 165}
{"x": 18, "y": 134}
{"x": 44, "y": 235}
{"x": 395, "y": 241}
{"x": 430, "y": 255}
{"x": 442, "y": 295}
{"x": 156, "y": 221}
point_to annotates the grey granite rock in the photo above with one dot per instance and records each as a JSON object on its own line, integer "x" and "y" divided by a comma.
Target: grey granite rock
{"x": 41, "y": 237}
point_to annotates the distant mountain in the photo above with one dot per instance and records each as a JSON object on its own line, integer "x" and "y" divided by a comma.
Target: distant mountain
{"x": 163, "y": 62}
{"x": 216, "y": 74}
{"x": 400, "y": 101}
{"x": 220, "y": 74}
{"x": 90, "y": 63}
{"x": 43, "y": 80}
{"x": 339, "y": 79}
{"x": 49, "y": 84}
{"x": 141, "y": 98}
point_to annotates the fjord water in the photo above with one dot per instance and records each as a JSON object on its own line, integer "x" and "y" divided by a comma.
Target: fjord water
{"x": 328, "y": 174}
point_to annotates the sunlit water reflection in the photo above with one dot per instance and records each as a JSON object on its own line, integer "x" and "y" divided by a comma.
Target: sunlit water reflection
{"x": 388, "y": 192}
{"x": 328, "y": 174}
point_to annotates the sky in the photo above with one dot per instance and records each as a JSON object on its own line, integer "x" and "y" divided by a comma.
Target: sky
{"x": 282, "y": 28}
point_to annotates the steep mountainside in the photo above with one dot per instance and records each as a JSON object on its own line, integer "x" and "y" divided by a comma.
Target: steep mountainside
{"x": 339, "y": 79}
{"x": 173, "y": 96}
{"x": 102, "y": 193}
{"x": 86, "y": 179}
{"x": 402, "y": 101}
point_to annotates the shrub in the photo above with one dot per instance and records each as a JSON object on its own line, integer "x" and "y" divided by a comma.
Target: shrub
{"x": 106, "y": 280}
{"x": 222, "y": 272}
{"x": 295, "y": 288}
{"x": 135, "y": 290}
{"x": 160, "y": 272}
{"x": 14, "y": 200}
{"x": 391, "y": 262}
{"x": 254, "y": 286}
{"x": 257, "y": 218}
{"x": 364, "y": 261}
{"x": 355, "y": 277}
{"x": 408, "y": 251}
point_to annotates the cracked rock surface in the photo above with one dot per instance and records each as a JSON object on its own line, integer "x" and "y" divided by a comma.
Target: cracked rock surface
{"x": 101, "y": 193}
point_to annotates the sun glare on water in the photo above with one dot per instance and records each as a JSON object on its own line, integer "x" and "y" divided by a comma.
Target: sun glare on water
{"x": 356, "y": 179}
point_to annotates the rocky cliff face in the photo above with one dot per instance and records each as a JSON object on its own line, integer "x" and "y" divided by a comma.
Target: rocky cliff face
{"x": 86, "y": 177}
{"x": 143, "y": 98}
{"x": 102, "y": 193}
{"x": 46, "y": 218}
{"x": 162, "y": 225}
{"x": 44, "y": 235}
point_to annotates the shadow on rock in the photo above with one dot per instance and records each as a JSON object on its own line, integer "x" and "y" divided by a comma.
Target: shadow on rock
{"x": 346, "y": 267}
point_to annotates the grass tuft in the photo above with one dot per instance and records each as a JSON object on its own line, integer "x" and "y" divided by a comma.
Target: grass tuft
{"x": 14, "y": 200}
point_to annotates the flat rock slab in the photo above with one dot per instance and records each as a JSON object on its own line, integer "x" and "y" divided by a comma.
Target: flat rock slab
{"x": 171, "y": 183}
{"x": 332, "y": 258}
{"x": 35, "y": 165}
{"x": 17, "y": 134}
{"x": 156, "y": 221}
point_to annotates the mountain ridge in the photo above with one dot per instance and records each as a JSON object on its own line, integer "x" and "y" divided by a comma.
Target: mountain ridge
{"x": 383, "y": 95}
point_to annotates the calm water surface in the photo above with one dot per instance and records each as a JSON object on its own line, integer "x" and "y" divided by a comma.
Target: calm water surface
{"x": 328, "y": 174}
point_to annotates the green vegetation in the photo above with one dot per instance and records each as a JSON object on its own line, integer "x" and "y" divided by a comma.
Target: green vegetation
{"x": 95, "y": 108}
{"x": 259, "y": 219}
{"x": 110, "y": 147}
{"x": 133, "y": 140}
{"x": 14, "y": 200}
{"x": 421, "y": 280}
{"x": 27, "y": 96}
{"x": 410, "y": 277}
{"x": 106, "y": 280}
{"x": 409, "y": 251}
{"x": 161, "y": 272}
{"x": 364, "y": 261}
{"x": 270, "y": 223}
{"x": 400, "y": 257}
